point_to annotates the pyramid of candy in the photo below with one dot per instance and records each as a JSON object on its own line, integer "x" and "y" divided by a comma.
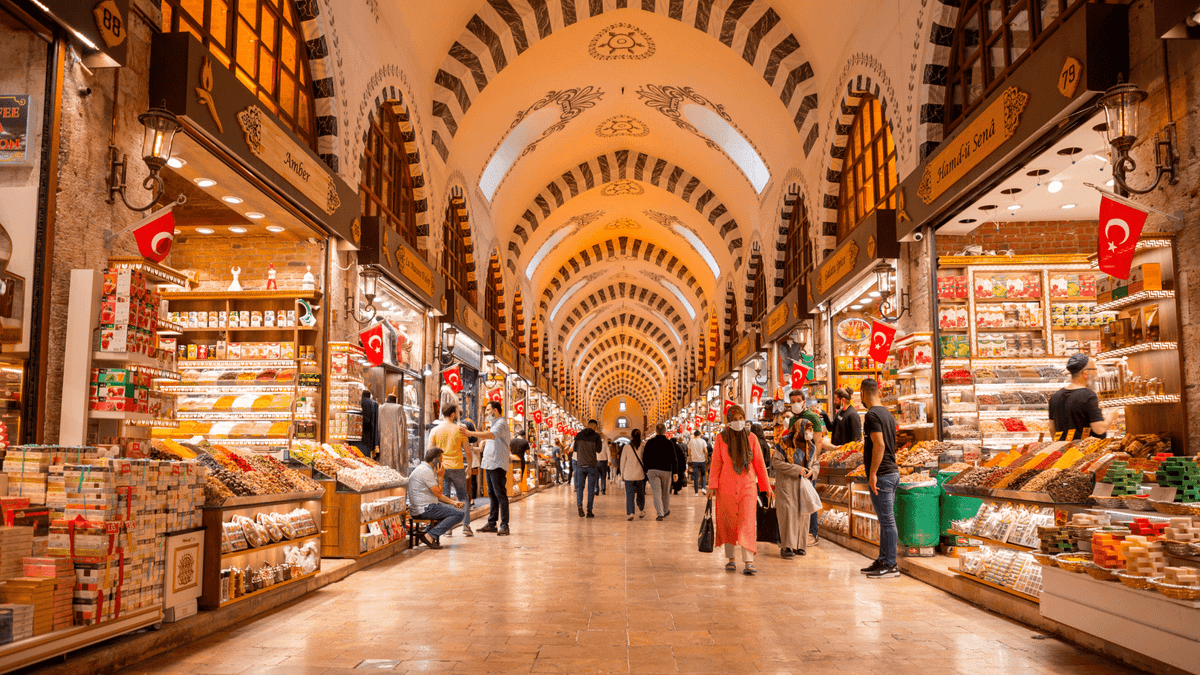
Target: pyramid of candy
{"x": 1181, "y": 576}
{"x": 1182, "y": 529}
{"x": 1125, "y": 481}
{"x": 1143, "y": 557}
{"x": 1053, "y": 540}
{"x": 1181, "y": 473}
{"x": 1106, "y": 550}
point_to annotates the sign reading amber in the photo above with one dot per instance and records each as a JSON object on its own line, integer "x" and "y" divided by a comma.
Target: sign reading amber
{"x": 996, "y": 124}
{"x": 276, "y": 148}
{"x": 837, "y": 266}
{"x": 1068, "y": 78}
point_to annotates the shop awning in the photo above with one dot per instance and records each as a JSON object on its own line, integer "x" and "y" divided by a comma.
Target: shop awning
{"x": 872, "y": 241}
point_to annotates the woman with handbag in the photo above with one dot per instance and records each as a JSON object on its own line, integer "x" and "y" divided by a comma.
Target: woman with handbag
{"x": 634, "y": 475}
{"x": 791, "y": 461}
{"x": 738, "y": 474}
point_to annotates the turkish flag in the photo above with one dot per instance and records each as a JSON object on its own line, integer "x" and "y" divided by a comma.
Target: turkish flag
{"x": 372, "y": 342}
{"x": 756, "y": 392}
{"x": 712, "y": 415}
{"x": 699, "y": 419}
{"x": 1120, "y": 229}
{"x": 155, "y": 233}
{"x": 519, "y": 408}
{"x": 537, "y": 416}
{"x": 799, "y": 375}
{"x": 881, "y": 340}
{"x": 728, "y": 404}
{"x": 453, "y": 378}
{"x": 496, "y": 395}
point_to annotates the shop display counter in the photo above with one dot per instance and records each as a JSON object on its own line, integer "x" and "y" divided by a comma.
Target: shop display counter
{"x": 352, "y": 531}
{"x": 32, "y": 650}
{"x": 240, "y": 564}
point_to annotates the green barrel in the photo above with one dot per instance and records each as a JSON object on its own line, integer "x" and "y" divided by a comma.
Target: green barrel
{"x": 954, "y": 507}
{"x": 917, "y": 515}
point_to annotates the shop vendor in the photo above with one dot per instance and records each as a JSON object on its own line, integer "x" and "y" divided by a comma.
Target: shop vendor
{"x": 1075, "y": 409}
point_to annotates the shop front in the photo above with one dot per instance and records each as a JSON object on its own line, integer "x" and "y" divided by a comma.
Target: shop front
{"x": 787, "y": 331}
{"x": 465, "y": 336}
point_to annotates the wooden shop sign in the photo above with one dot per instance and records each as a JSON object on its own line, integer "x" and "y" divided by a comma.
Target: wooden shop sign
{"x": 525, "y": 368}
{"x": 995, "y": 125}
{"x": 103, "y": 24}
{"x": 384, "y": 248}
{"x": 789, "y": 312}
{"x": 745, "y": 347}
{"x": 873, "y": 240}
{"x": 504, "y": 350}
{"x": 468, "y": 319}
{"x": 288, "y": 159}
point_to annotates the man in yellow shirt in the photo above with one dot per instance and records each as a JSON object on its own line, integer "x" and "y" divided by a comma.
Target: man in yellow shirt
{"x": 451, "y": 439}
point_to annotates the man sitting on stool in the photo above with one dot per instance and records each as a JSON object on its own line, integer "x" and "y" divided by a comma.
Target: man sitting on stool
{"x": 425, "y": 499}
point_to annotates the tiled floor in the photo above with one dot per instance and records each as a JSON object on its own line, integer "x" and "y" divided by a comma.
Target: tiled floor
{"x": 602, "y": 595}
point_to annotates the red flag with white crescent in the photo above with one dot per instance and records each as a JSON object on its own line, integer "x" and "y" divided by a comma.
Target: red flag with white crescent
{"x": 496, "y": 395}
{"x": 1120, "y": 228}
{"x": 155, "y": 233}
{"x": 537, "y": 416}
{"x": 725, "y": 409}
{"x": 519, "y": 408}
{"x": 756, "y": 392}
{"x": 453, "y": 378}
{"x": 881, "y": 340}
{"x": 799, "y": 375}
{"x": 712, "y": 415}
{"x": 372, "y": 343}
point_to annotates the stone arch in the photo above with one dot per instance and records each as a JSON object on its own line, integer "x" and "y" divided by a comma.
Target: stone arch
{"x": 633, "y": 321}
{"x": 617, "y": 248}
{"x": 503, "y": 30}
{"x": 320, "y": 67}
{"x": 457, "y": 204}
{"x": 617, "y": 292}
{"x": 494, "y": 273}
{"x": 934, "y": 55}
{"x": 623, "y": 341}
{"x": 731, "y": 327}
{"x": 793, "y": 199}
{"x": 390, "y": 96}
{"x": 518, "y": 324}
{"x": 624, "y": 355}
{"x": 753, "y": 267}
{"x": 596, "y": 369}
{"x": 609, "y": 170}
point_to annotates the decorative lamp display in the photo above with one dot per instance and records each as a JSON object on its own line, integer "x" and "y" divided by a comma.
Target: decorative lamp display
{"x": 449, "y": 338}
{"x": 369, "y": 287}
{"x": 885, "y": 280}
{"x": 1121, "y": 105}
{"x": 159, "y": 134}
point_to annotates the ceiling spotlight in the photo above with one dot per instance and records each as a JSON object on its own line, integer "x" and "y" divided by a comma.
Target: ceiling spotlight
{"x": 237, "y": 230}
{"x": 255, "y": 215}
{"x": 855, "y": 307}
{"x": 205, "y": 182}
{"x": 1014, "y": 207}
{"x": 865, "y": 301}
{"x": 231, "y": 200}
{"x": 1110, "y": 183}
{"x": 1068, "y": 206}
{"x": 176, "y": 163}
{"x": 1054, "y": 186}
{"x": 874, "y": 294}
{"x": 205, "y": 230}
{"x": 275, "y": 228}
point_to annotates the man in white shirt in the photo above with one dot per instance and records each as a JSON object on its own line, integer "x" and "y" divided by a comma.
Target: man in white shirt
{"x": 425, "y": 498}
{"x": 698, "y": 461}
{"x": 496, "y": 464}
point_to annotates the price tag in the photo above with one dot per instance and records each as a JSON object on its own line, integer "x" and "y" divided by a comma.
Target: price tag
{"x": 1162, "y": 494}
{"x": 1103, "y": 490}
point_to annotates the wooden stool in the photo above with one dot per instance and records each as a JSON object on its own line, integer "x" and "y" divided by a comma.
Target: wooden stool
{"x": 418, "y": 526}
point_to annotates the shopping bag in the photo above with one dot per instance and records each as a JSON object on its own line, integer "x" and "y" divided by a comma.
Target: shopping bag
{"x": 767, "y": 521}
{"x": 810, "y": 501}
{"x": 707, "y": 530}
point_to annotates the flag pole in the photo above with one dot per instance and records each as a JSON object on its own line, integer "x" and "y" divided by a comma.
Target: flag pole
{"x": 1132, "y": 204}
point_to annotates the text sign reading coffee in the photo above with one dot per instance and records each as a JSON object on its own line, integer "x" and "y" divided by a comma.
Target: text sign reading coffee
{"x": 14, "y": 128}
{"x": 995, "y": 125}
{"x": 272, "y": 145}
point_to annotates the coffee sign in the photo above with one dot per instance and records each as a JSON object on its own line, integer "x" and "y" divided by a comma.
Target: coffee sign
{"x": 982, "y": 137}
{"x": 14, "y": 128}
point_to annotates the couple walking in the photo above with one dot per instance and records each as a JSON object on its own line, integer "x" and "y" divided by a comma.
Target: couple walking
{"x": 655, "y": 463}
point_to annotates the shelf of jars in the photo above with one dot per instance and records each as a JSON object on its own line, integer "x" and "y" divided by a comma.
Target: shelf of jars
{"x": 347, "y": 379}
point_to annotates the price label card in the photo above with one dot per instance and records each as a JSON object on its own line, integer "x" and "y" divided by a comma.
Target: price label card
{"x": 1102, "y": 490}
{"x": 1162, "y": 494}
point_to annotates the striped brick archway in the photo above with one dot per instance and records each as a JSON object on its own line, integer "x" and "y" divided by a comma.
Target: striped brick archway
{"x": 616, "y": 248}
{"x": 621, "y": 292}
{"x": 390, "y": 96}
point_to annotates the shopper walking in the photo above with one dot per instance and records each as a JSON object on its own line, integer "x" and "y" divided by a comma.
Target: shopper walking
{"x": 633, "y": 474}
{"x": 792, "y": 460}
{"x": 680, "y": 480}
{"x": 496, "y": 464}
{"x": 883, "y": 477}
{"x": 427, "y": 500}
{"x": 602, "y": 462}
{"x": 662, "y": 466}
{"x": 738, "y": 475}
{"x": 698, "y": 462}
{"x": 451, "y": 439}
{"x": 587, "y": 447}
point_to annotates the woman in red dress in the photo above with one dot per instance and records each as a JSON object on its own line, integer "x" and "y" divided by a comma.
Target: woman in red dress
{"x": 738, "y": 475}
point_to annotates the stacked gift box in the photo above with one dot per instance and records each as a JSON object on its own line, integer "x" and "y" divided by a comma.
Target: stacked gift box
{"x": 16, "y": 622}
{"x": 35, "y": 592}
{"x": 120, "y": 390}
{"x": 27, "y": 466}
{"x": 62, "y": 572}
{"x": 97, "y": 553}
{"x": 1181, "y": 473}
{"x": 15, "y": 544}
{"x": 128, "y": 313}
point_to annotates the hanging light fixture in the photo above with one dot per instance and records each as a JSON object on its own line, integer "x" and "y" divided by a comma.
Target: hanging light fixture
{"x": 370, "y": 279}
{"x": 1121, "y": 105}
{"x": 161, "y": 126}
{"x": 885, "y": 280}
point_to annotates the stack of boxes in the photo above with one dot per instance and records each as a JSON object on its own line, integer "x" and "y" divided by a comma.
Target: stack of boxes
{"x": 15, "y": 544}
{"x": 1181, "y": 473}
{"x": 128, "y": 313}
{"x": 62, "y": 572}
{"x": 27, "y": 467}
{"x": 97, "y": 554}
{"x": 1125, "y": 481}
{"x": 16, "y": 623}
{"x": 1143, "y": 557}
{"x": 120, "y": 390}
{"x": 1144, "y": 277}
{"x": 35, "y": 592}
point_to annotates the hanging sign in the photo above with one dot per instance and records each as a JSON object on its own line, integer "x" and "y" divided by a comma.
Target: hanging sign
{"x": 995, "y": 125}
{"x": 881, "y": 340}
{"x": 453, "y": 378}
{"x": 1120, "y": 228}
{"x": 383, "y": 247}
{"x": 274, "y": 147}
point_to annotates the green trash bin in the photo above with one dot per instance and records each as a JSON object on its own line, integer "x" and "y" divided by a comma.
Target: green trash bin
{"x": 917, "y": 515}
{"x": 954, "y": 507}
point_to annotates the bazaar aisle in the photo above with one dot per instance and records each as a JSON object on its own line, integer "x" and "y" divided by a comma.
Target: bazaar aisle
{"x": 572, "y": 595}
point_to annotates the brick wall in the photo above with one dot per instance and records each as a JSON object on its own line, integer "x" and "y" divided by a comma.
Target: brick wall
{"x": 212, "y": 258}
{"x": 1026, "y": 238}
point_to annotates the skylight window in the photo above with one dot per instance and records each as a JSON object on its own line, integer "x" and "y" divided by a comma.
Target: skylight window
{"x": 731, "y": 141}
{"x": 514, "y": 144}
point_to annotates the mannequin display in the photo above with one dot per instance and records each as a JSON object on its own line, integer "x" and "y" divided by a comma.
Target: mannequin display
{"x": 791, "y": 350}
{"x": 447, "y": 397}
{"x": 369, "y": 444}
{"x": 392, "y": 434}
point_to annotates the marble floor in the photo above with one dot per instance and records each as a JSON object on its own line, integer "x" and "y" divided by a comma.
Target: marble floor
{"x": 603, "y": 595}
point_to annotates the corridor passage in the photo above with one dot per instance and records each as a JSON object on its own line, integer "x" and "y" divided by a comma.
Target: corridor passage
{"x": 603, "y": 595}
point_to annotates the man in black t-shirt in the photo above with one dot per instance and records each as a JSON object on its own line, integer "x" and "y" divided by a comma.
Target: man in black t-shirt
{"x": 883, "y": 477}
{"x": 1075, "y": 409}
{"x": 847, "y": 427}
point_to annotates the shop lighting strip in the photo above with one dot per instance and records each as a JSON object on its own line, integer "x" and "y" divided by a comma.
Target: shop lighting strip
{"x": 1140, "y": 296}
{"x": 1136, "y": 349}
{"x": 924, "y": 338}
{"x": 281, "y": 416}
{"x": 914, "y": 397}
{"x": 1139, "y": 400}
{"x": 155, "y": 424}
{"x": 282, "y": 442}
{"x": 245, "y": 363}
{"x": 917, "y": 425}
{"x": 913, "y": 369}
{"x": 234, "y": 390}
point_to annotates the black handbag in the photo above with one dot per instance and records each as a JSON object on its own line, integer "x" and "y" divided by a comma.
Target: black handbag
{"x": 708, "y": 530}
{"x": 767, "y": 521}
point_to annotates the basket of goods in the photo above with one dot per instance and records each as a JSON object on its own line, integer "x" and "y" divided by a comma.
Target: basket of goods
{"x": 1182, "y": 537}
{"x": 1144, "y": 560}
{"x": 1081, "y": 525}
{"x": 1179, "y": 583}
{"x": 1100, "y": 573}
{"x": 1044, "y": 559}
{"x": 1073, "y": 562}
{"x": 1171, "y": 508}
{"x": 1135, "y": 581}
{"x": 1137, "y": 503}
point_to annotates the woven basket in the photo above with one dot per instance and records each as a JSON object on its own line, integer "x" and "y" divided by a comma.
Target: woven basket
{"x": 1109, "y": 502}
{"x": 1044, "y": 559}
{"x": 1099, "y": 573}
{"x": 1140, "y": 583}
{"x": 1172, "y": 508}
{"x": 1080, "y": 531}
{"x": 1072, "y": 562}
{"x": 1176, "y": 592}
{"x": 1137, "y": 503}
{"x": 1177, "y": 548}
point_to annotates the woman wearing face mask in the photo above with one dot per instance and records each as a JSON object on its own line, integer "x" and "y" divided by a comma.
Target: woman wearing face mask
{"x": 738, "y": 475}
{"x": 791, "y": 461}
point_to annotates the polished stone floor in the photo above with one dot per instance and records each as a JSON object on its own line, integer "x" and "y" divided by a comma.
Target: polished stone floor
{"x": 602, "y": 595}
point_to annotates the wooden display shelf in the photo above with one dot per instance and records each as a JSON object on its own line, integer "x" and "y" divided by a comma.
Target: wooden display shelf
{"x": 401, "y": 514}
{"x": 380, "y": 548}
{"x": 342, "y": 517}
{"x": 286, "y": 294}
{"x": 991, "y": 542}
{"x": 26, "y": 652}
{"x": 266, "y": 547}
{"x": 862, "y": 538}
{"x": 268, "y": 589}
{"x": 126, "y": 358}
{"x": 1011, "y": 591}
